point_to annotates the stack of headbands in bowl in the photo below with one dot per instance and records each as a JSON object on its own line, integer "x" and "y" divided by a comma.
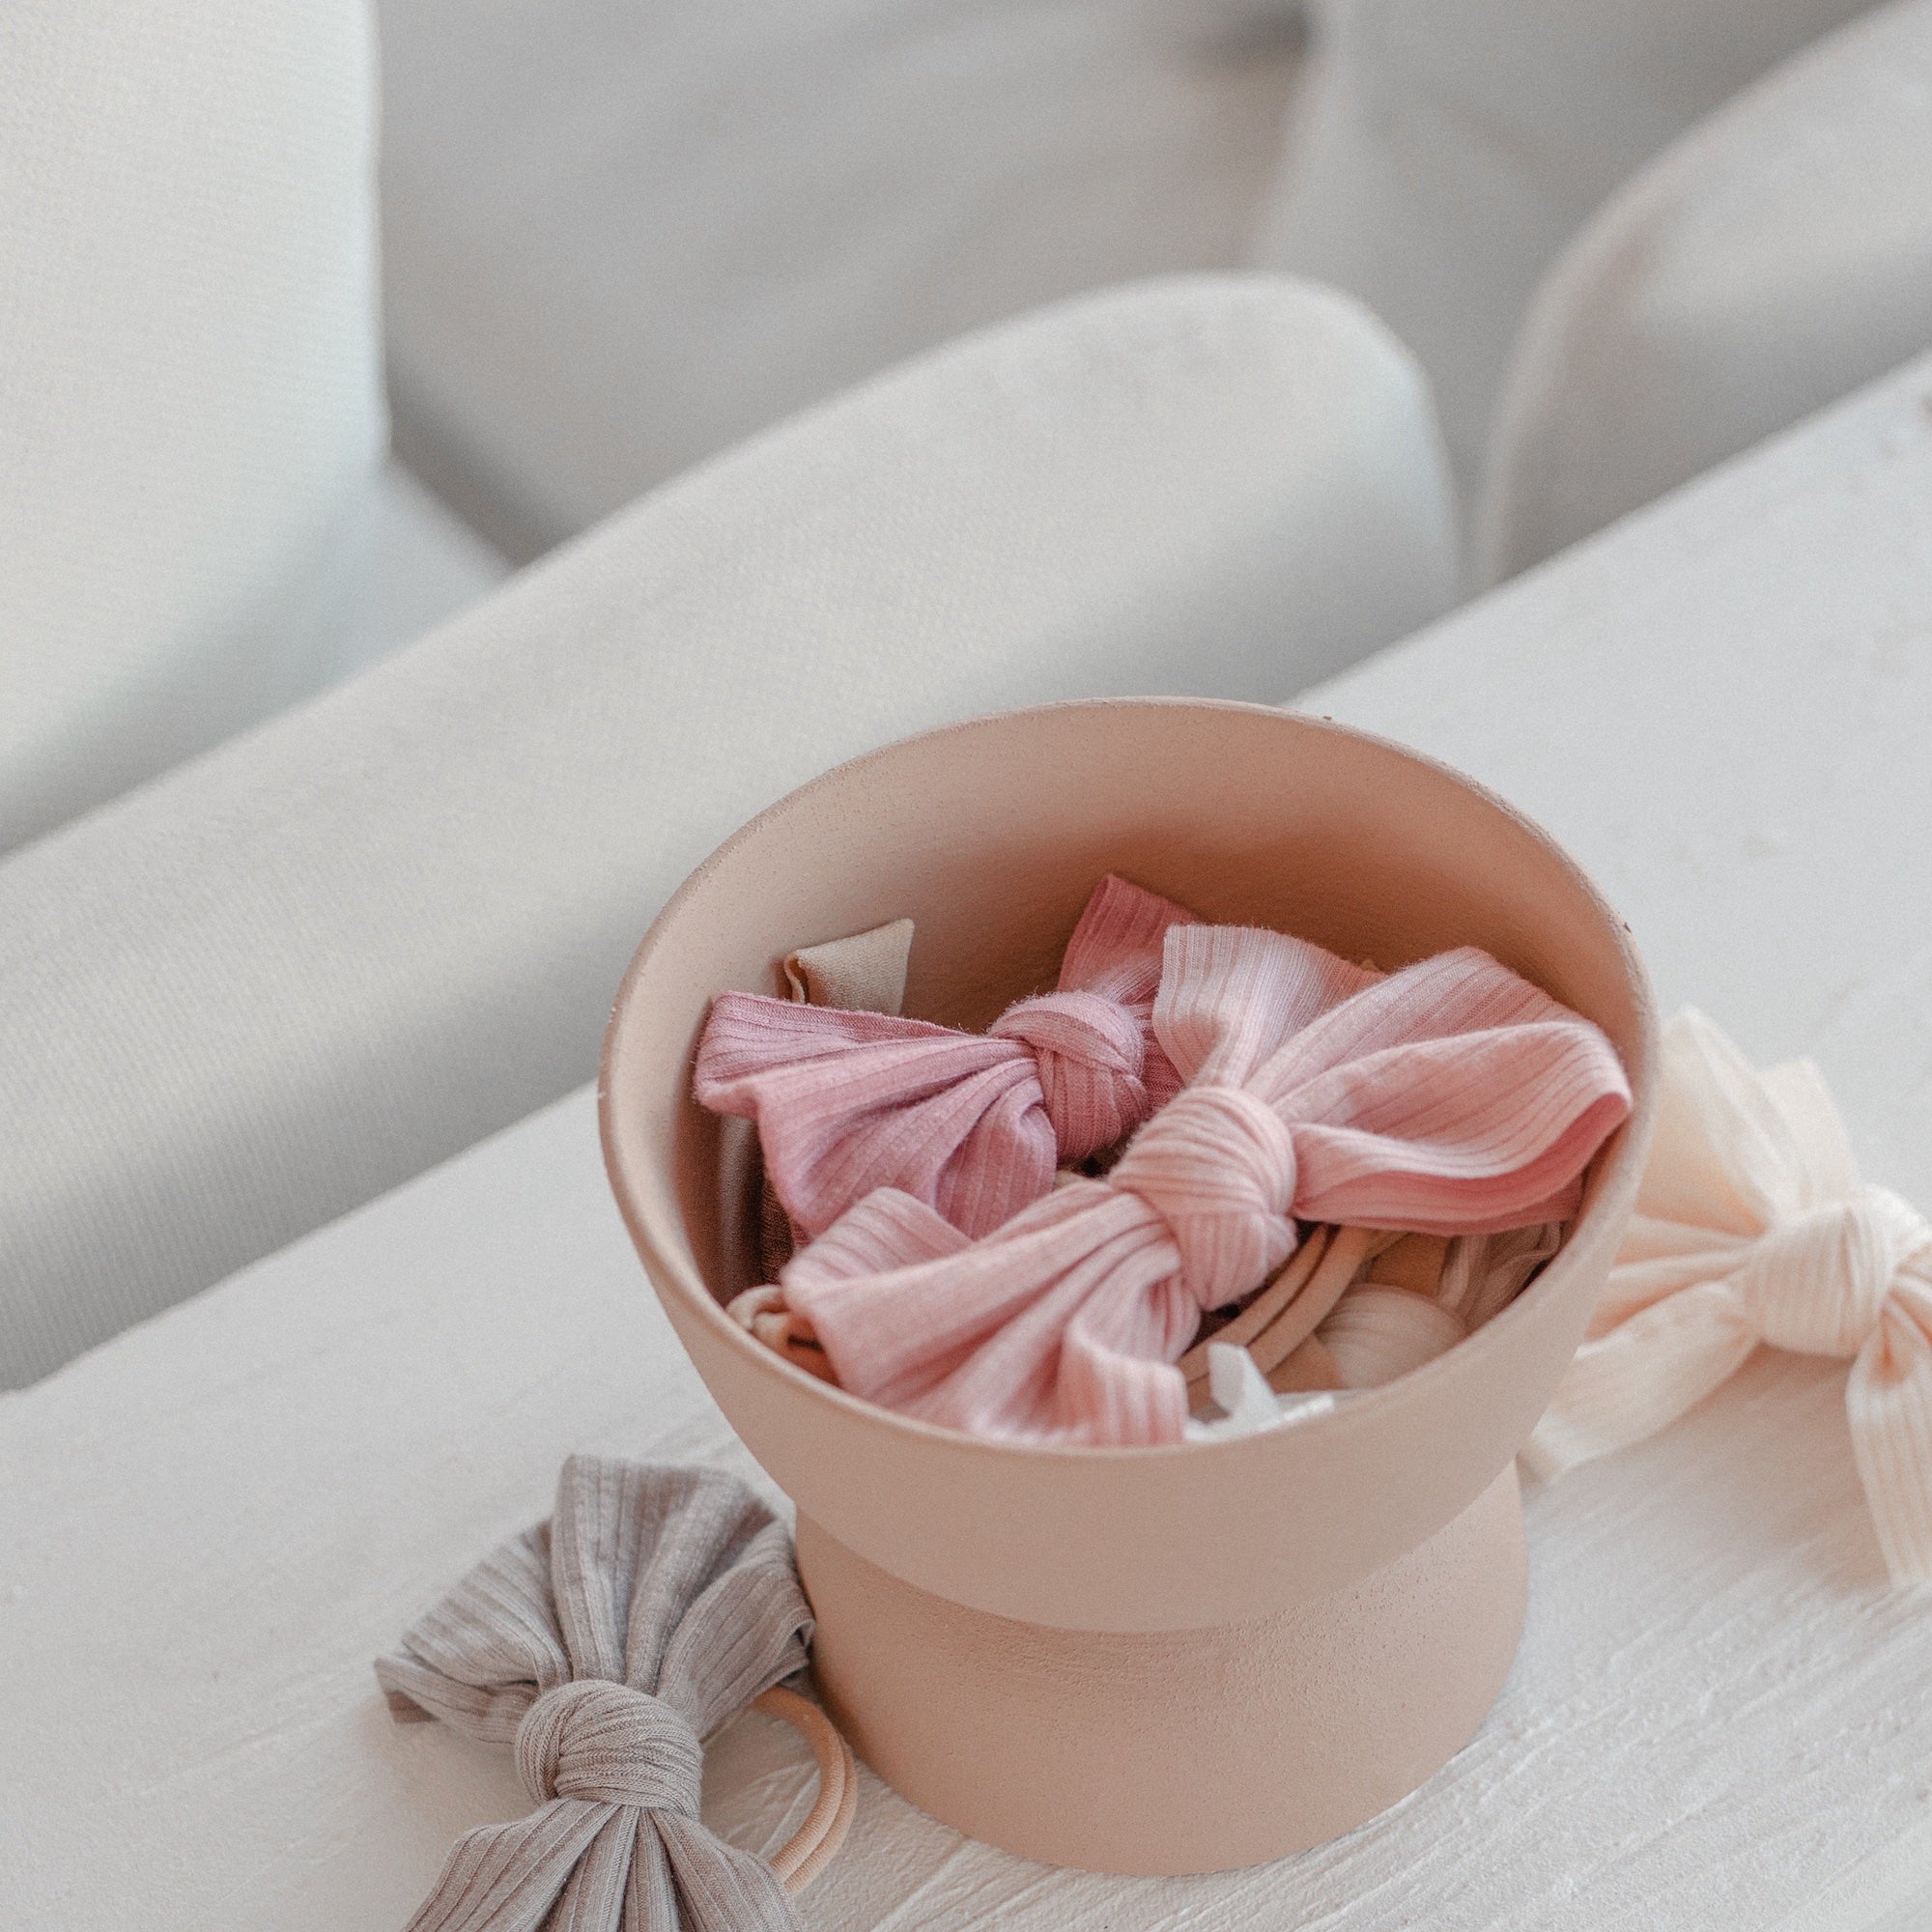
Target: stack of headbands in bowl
{"x": 1214, "y": 1177}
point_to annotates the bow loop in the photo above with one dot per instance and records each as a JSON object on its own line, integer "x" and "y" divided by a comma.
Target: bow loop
{"x": 609, "y": 1745}
{"x": 1217, "y": 1166}
{"x": 1089, "y": 1053}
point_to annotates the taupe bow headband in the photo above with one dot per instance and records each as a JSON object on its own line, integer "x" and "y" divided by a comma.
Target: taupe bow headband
{"x": 603, "y": 1647}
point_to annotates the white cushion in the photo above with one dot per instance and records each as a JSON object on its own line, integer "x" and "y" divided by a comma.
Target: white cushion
{"x": 1718, "y": 1719}
{"x": 1448, "y": 147}
{"x": 619, "y": 238}
{"x": 336, "y": 951}
{"x": 1776, "y": 257}
{"x": 188, "y": 378}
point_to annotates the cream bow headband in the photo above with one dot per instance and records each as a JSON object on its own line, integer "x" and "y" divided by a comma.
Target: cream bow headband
{"x": 1752, "y": 1226}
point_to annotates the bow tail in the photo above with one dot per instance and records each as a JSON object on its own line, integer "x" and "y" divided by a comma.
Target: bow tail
{"x": 1889, "y": 1402}
{"x": 914, "y": 1315}
{"x": 601, "y": 1885}
{"x": 1086, "y": 1357}
{"x": 1645, "y": 1373}
{"x": 506, "y": 1878}
{"x": 719, "y": 1887}
{"x": 1116, "y": 1382}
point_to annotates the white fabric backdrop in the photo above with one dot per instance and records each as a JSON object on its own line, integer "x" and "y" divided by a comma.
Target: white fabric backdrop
{"x": 1448, "y": 147}
{"x": 336, "y": 950}
{"x": 188, "y": 378}
{"x": 1774, "y": 259}
{"x": 618, "y": 238}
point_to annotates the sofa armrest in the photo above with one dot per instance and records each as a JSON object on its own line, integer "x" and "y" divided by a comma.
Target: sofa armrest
{"x": 332, "y": 952}
{"x": 1776, "y": 258}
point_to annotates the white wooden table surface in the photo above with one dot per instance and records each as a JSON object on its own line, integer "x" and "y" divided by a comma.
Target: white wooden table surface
{"x": 1719, "y": 1719}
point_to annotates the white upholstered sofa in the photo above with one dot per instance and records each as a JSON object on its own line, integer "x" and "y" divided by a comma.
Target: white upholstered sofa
{"x": 312, "y": 962}
{"x": 348, "y": 939}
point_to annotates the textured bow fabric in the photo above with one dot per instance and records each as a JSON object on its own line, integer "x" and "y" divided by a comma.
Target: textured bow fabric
{"x": 974, "y": 1125}
{"x": 1451, "y": 1097}
{"x": 1752, "y": 1226}
{"x": 602, "y": 1647}
{"x": 865, "y": 972}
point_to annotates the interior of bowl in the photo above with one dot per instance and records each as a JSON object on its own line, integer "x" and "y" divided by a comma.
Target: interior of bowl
{"x": 990, "y": 838}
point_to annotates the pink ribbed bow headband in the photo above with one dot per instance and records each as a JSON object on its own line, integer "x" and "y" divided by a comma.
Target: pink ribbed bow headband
{"x": 972, "y": 1125}
{"x": 1451, "y": 1097}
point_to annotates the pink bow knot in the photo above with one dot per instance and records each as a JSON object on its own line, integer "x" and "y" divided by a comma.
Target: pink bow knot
{"x": 972, "y": 1125}
{"x": 1217, "y": 1166}
{"x": 1090, "y": 1053}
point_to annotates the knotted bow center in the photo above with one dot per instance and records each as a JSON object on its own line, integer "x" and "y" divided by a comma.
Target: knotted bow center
{"x": 1217, "y": 1165}
{"x": 609, "y": 1745}
{"x": 1817, "y": 1282}
{"x": 1091, "y": 1052}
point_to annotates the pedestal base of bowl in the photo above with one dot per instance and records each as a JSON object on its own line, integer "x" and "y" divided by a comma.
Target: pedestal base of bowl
{"x": 1172, "y": 1752}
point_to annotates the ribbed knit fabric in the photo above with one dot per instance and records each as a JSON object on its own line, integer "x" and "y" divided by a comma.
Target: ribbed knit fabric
{"x": 972, "y": 1125}
{"x": 1752, "y": 1226}
{"x": 1451, "y": 1097}
{"x": 602, "y": 1647}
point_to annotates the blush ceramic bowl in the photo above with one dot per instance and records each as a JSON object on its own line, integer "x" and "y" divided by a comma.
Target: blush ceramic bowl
{"x": 1135, "y": 1660}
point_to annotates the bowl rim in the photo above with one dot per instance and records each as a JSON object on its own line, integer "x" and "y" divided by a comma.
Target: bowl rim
{"x": 1613, "y": 1173}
